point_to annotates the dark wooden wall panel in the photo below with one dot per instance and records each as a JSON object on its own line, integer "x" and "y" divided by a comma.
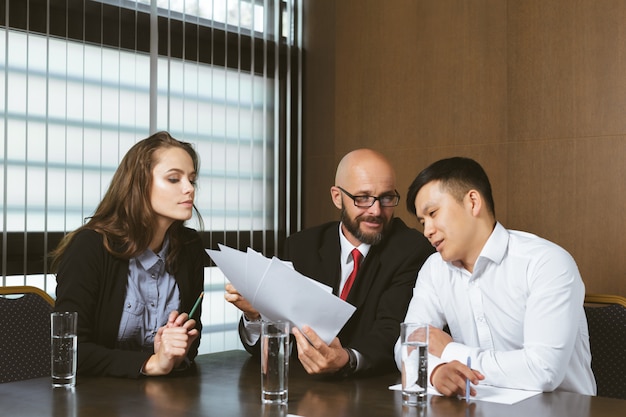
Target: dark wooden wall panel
{"x": 566, "y": 112}
{"x": 533, "y": 90}
{"x": 319, "y": 110}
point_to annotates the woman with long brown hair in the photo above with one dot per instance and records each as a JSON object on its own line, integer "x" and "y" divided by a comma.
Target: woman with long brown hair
{"x": 133, "y": 268}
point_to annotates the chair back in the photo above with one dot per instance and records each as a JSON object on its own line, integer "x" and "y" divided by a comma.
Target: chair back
{"x": 606, "y": 318}
{"x": 24, "y": 333}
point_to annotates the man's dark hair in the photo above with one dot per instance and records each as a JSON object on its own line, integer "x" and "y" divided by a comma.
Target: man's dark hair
{"x": 457, "y": 175}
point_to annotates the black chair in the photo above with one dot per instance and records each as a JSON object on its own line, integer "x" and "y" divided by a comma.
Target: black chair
{"x": 24, "y": 333}
{"x": 606, "y": 317}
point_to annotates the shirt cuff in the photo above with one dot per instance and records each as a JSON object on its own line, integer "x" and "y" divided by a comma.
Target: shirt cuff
{"x": 251, "y": 331}
{"x": 456, "y": 351}
{"x": 360, "y": 361}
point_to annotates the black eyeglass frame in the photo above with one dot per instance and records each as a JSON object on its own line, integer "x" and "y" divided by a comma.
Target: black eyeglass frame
{"x": 374, "y": 198}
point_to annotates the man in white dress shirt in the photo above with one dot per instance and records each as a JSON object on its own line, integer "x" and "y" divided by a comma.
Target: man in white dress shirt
{"x": 513, "y": 301}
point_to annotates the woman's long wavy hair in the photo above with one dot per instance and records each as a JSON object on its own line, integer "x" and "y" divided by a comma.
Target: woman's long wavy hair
{"x": 125, "y": 217}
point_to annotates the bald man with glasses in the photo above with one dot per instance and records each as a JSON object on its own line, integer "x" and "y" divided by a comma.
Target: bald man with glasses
{"x": 369, "y": 258}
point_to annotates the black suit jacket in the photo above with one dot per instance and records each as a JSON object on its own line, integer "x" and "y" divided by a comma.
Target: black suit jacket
{"x": 381, "y": 291}
{"x": 93, "y": 282}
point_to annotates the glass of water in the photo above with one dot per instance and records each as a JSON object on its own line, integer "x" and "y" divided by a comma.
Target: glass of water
{"x": 414, "y": 344}
{"x": 63, "y": 333}
{"x": 274, "y": 361}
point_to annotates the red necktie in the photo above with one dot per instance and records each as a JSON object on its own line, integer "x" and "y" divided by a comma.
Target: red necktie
{"x": 356, "y": 260}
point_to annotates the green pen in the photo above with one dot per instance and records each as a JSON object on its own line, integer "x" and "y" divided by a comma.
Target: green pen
{"x": 195, "y": 306}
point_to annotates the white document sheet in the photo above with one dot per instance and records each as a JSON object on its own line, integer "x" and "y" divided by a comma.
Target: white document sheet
{"x": 489, "y": 393}
{"x": 233, "y": 264}
{"x": 256, "y": 265}
{"x": 279, "y": 292}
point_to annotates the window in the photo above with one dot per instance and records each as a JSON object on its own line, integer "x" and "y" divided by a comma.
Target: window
{"x": 82, "y": 84}
{"x": 245, "y": 15}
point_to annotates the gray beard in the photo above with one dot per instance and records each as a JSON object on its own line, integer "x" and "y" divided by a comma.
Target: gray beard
{"x": 354, "y": 228}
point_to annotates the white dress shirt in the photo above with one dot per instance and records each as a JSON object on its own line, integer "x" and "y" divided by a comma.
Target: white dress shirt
{"x": 519, "y": 315}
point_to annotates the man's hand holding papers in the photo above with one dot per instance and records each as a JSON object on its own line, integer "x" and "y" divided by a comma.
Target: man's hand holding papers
{"x": 316, "y": 356}
{"x": 234, "y": 297}
{"x": 278, "y": 292}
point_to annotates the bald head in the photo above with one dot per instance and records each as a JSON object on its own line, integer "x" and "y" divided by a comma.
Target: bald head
{"x": 364, "y": 165}
{"x": 364, "y": 172}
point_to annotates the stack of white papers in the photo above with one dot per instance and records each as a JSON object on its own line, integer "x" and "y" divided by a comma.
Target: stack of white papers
{"x": 278, "y": 292}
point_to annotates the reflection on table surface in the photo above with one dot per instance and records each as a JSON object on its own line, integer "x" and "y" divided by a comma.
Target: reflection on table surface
{"x": 229, "y": 384}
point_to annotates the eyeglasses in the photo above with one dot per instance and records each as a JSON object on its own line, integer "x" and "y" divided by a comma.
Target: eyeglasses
{"x": 365, "y": 201}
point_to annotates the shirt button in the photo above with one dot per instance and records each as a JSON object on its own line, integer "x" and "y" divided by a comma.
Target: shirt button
{"x": 128, "y": 305}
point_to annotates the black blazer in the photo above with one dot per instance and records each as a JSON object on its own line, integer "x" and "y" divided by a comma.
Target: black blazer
{"x": 381, "y": 291}
{"x": 93, "y": 282}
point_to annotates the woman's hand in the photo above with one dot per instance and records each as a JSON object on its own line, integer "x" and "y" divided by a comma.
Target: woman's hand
{"x": 171, "y": 344}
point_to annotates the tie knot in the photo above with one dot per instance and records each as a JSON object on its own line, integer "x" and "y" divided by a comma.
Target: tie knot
{"x": 356, "y": 256}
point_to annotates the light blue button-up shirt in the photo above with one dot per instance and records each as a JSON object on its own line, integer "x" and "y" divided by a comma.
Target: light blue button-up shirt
{"x": 151, "y": 294}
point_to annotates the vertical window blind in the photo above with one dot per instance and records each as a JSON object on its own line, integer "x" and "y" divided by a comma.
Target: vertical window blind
{"x": 83, "y": 80}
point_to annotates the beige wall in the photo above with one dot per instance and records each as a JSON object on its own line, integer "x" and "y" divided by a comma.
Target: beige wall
{"x": 533, "y": 90}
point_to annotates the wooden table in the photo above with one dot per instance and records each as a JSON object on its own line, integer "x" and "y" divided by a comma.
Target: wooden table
{"x": 228, "y": 384}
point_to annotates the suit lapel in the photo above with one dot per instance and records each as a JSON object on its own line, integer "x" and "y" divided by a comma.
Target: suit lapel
{"x": 330, "y": 261}
{"x": 183, "y": 284}
{"x": 365, "y": 278}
